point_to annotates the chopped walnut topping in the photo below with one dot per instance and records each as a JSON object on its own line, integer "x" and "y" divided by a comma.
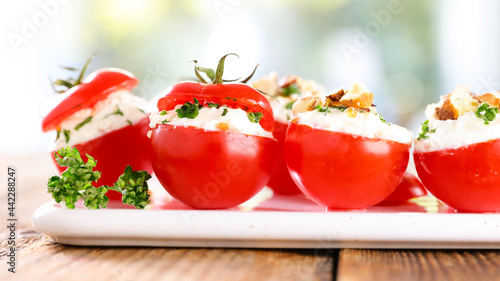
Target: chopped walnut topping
{"x": 492, "y": 99}
{"x": 305, "y": 104}
{"x": 287, "y": 81}
{"x": 456, "y": 104}
{"x": 358, "y": 97}
{"x": 334, "y": 99}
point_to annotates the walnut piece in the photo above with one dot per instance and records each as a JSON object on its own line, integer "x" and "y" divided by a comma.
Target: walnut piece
{"x": 358, "y": 97}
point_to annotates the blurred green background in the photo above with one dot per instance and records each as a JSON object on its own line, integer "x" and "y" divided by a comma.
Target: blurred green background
{"x": 407, "y": 52}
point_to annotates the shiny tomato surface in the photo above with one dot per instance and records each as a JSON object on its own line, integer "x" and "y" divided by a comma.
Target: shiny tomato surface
{"x": 343, "y": 171}
{"x": 234, "y": 95}
{"x": 466, "y": 178}
{"x": 117, "y": 149}
{"x": 211, "y": 169}
{"x": 95, "y": 87}
{"x": 281, "y": 182}
{"x": 410, "y": 187}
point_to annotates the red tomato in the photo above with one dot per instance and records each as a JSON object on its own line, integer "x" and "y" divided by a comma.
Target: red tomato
{"x": 117, "y": 149}
{"x": 343, "y": 171}
{"x": 281, "y": 182}
{"x": 233, "y": 95}
{"x": 211, "y": 169}
{"x": 95, "y": 87}
{"x": 465, "y": 178}
{"x": 410, "y": 187}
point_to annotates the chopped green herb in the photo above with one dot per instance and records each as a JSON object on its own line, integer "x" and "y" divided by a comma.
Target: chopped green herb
{"x": 229, "y": 98}
{"x": 116, "y": 112}
{"x": 486, "y": 113}
{"x": 66, "y": 135}
{"x": 88, "y": 119}
{"x": 383, "y": 120}
{"x": 130, "y": 122}
{"x": 141, "y": 110}
{"x": 425, "y": 130}
{"x": 189, "y": 110}
{"x": 76, "y": 183}
{"x": 254, "y": 116}
{"x": 211, "y": 104}
{"x": 224, "y": 112}
{"x": 163, "y": 112}
{"x": 289, "y": 105}
{"x": 289, "y": 90}
{"x": 196, "y": 102}
{"x": 326, "y": 110}
{"x": 165, "y": 121}
{"x": 341, "y": 108}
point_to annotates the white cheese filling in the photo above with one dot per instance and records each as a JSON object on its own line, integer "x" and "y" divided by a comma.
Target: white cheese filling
{"x": 364, "y": 124}
{"x": 279, "y": 105}
{"x": 118, "y": 110}
{"x": 211, "y": 119}
{"x": 451, "y": 134}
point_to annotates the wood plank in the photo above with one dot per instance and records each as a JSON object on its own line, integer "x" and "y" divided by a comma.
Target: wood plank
{"x": 418, "y": 265}
{"x": 39, "y": 258}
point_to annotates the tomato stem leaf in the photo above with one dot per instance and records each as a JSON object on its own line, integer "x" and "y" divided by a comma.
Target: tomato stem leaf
{"x": 220, "y": 69}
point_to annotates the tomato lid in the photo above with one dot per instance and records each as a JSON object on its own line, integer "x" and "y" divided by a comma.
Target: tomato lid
{"x": 95, "y": 87}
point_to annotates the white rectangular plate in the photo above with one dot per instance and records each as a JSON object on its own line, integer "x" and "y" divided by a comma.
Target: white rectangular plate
{"x": 271, "y": 222}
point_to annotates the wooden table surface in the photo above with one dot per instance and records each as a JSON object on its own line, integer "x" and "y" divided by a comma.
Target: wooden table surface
{"x": 40, "y": 258}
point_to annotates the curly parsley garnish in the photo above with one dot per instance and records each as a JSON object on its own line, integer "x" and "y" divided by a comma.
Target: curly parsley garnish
{"x": 189, "y": 110}
{"x": 76, "y": 183}
{"x": 425, "y": 130}
{"x": 254, "y": 116}
{"x": 81, "y": 124}
{"x": 487, "y": 113}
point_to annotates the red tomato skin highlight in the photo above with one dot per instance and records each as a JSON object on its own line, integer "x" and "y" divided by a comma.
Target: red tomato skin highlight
{"x": 117, "y": 149}
{"x": 95, "y": 87}
{"x": 211, "y": 169}
{"x": 343, "y": 171}
{"x": 234, "y": 95}
{"x": 410, "y": 187}
{"x": 281, "y": 182}
{"x": 466, "y": 178}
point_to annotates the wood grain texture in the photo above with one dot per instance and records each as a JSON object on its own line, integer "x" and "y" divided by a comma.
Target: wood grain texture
{"x": 39, "y": 258}
{"x": 386, "y": 265}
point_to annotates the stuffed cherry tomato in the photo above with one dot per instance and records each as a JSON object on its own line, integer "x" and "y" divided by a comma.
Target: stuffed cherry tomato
{"x": 342, "y": 154}
{"x": 409, "y": 188}
{"x": 212, "y": 144}
{"x": 102, "y": 118}
{"x": 283, "y": 94}
{"x": 457, "y": 154}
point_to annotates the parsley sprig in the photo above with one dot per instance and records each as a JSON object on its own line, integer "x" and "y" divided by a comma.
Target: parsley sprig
{"x": 486, "y": 113}
{"x": 425, "y": 130}
{"x": 76, "y": 183}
